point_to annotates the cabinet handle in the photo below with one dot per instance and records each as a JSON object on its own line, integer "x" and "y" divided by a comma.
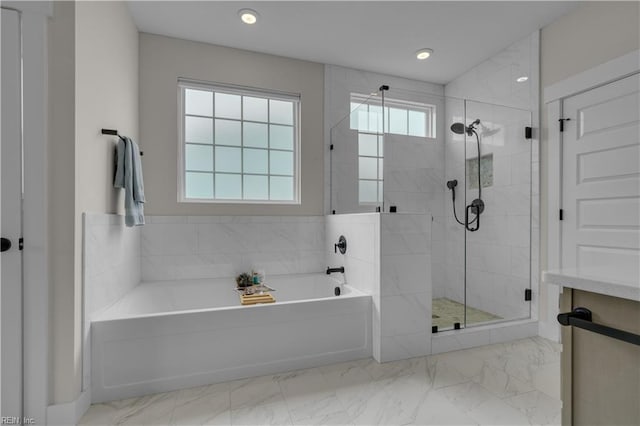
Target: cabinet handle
{"x": 581, "y": 318}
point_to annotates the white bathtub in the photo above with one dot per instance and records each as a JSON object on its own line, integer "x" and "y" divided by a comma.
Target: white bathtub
{"x": 175, "y": 334}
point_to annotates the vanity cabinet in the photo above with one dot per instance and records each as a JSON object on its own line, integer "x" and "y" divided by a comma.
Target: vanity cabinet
{"x": 600, "y": 383}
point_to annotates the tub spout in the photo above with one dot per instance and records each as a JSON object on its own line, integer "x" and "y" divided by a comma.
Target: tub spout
{"x": 331, "y": 270}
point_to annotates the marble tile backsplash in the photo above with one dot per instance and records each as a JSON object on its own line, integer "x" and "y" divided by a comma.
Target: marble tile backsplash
{"x": 192, "y": 247}
{"x": 111, "y": 259}
{"x": 405, "y": 286}
{"x": 389, "y": 257}
{"x": 111, "y": 268}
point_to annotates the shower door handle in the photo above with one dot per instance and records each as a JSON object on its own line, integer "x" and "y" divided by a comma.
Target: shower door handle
{"x": 466, "y": 219}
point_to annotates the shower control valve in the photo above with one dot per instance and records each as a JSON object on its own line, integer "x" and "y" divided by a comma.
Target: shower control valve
{"x": 340, "y": 245}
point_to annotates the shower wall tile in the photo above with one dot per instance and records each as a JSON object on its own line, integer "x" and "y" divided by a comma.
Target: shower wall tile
{"x": 388, "y": 256}
{"x": 361, "y": 260}
{"x": 494, "y": 80}
{"x": 502, "y": 257}
{"x": 406, "y": 282}
{"x": 111, "y": 259}
{"x": 404, "y": 274}
{"x": 405, "y": 313}
{"x": 405, "y": 346}
{"x": 191, "y": 247}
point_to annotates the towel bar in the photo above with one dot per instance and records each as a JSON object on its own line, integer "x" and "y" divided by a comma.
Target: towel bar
{"x": 581, "y": 318}
{"x": 113, "y": 132}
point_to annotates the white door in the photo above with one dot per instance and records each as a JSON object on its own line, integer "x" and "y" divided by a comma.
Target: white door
{"x": 601, "y": 181}
{"x": 10, "y": 219}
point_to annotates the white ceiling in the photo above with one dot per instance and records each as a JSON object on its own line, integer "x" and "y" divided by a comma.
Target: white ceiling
{"x": 374, "y": 36}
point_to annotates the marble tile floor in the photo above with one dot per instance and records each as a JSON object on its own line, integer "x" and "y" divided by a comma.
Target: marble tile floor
{"x": 447, "y": 312}
{"x": 515, "y": 383}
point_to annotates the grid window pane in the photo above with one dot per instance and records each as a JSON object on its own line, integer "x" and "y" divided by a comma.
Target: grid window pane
{"x": 228, "y": 159}
{"x": 239, "y": 145}
{"x": 353, "y": 116}
{"x": 367, "y": 168}
{"x": 367, "y": 144}
{"x": 417, "y": 123}
{"x": 228, "y": 132}
{"x": 256, "y": 187}
{"x": 281, "y": 112}
{"x": 380, "y": 186}
{"x": 254, "y": 109}
{"x": 281, "y": 163}
{"x": 400, "y": 117}
{"x": 198, "y": 185}
{"x": 198, "y": 102}
{"x": 375, "y": 118}
{"x": 368, "y": 191}
{"x": 398, "y": 121}
{"x": 255, "y": 161}
{"x": 199, "y": 158}
{"x": 380, "y": 168}
{"x": 228, "y": 187}
{"x": 281, "y": 137}
{"x": 228, "y": 106}
{"x": 281, "y": 188}
{"x": 198, "y": 129}
{"x": 363, "y": 117}
{"x": 255, "y": 135}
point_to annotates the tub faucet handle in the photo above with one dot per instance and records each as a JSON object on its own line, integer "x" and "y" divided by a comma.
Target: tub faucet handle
{"x": 340, "y": 245}
{"x": 332, "y": 270}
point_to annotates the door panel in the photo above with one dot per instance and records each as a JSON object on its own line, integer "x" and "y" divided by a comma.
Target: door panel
{"x": 601, "y": 181}
{"x": 10, "y": 217}
{"x": 498, "y": 254}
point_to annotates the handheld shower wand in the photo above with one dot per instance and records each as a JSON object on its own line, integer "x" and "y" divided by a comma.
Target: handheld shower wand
{"x": 477, "y": 206}
{"x": 452, "y": 186}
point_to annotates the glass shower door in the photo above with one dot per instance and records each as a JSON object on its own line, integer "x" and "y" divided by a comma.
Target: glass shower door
{"x": 498, "y": 240}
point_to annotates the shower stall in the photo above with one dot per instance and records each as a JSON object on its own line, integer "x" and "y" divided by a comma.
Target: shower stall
{"x": 467, "y": 167}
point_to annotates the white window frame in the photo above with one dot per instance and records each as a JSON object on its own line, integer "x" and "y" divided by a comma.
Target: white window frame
{"x": 429, "y": 109}
{"x": 242, "y": 91}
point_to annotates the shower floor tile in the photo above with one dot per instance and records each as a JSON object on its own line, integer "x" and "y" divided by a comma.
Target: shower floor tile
{"x": 446, "y": 312}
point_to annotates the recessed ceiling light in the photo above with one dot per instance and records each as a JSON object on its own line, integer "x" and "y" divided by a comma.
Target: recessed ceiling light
{"x": 248, "y": 16}
{"x": 423, "y": 54}
{"x": 522, "y": 79}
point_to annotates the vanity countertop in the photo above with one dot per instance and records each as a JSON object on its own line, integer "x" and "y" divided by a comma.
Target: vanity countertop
{"x": 572, "y": 278}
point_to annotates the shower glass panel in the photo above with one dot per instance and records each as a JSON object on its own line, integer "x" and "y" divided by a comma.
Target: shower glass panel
{"x": 357, "y": 156}
{"x": 448, "y": 252}
{"x": 418, "y": 152}
{"x": 498, "y": 241}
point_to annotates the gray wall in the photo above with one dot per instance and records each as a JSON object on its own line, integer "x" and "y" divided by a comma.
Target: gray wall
{"x": 594, "y": 33}
{"x": 88, "y": 90}
{"x": 163, "y": 60}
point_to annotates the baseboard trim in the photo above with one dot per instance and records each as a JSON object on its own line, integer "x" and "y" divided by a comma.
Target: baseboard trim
{"x": 69, "y": 413}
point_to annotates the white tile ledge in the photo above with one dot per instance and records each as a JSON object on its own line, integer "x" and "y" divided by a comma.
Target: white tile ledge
{"x": 572, "y": 278}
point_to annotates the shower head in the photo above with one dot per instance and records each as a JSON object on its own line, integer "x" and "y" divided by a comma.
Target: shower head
{"x": 452, "y": 183}
{"x": 459, "y": 128}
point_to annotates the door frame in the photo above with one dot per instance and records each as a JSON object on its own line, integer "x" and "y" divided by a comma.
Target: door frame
{"x": 35, "y": 279}
{"x": 554, "y": 97}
